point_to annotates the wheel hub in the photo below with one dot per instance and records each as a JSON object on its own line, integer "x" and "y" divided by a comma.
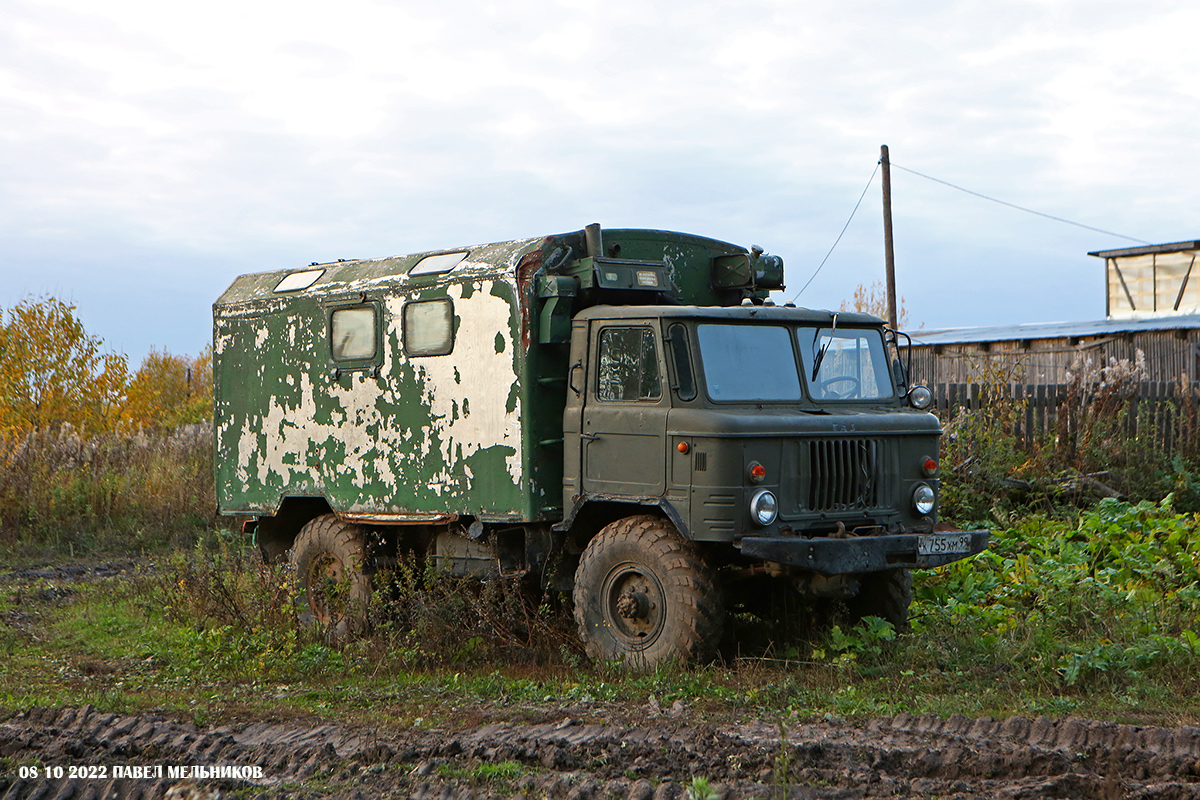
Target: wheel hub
{"x": 633, "y": 605}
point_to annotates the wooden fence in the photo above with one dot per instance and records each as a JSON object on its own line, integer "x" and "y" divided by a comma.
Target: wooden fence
{"x": 1161, "y": 415}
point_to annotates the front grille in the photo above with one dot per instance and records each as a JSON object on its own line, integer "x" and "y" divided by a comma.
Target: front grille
{"x": 845, "y": 474}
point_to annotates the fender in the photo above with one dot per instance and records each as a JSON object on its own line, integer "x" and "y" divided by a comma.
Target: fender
{"x": 661, "y": 503}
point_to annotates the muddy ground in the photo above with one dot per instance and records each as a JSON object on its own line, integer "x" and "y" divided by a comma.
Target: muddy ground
{"x": 904, "y": 756}
{"x": 565, "y": 753}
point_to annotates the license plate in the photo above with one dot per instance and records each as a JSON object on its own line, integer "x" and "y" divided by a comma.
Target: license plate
{"x": 941, "y": 545}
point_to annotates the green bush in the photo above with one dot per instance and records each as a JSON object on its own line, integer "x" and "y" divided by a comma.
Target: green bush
{"x": 1115, "y": 596}
{"x": 235, "y": 615}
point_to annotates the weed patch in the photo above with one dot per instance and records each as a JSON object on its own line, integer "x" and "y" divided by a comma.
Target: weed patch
{"x": 1110, "y": 601}
{"x": 62, "y": 492}
{"x": 425, "y": 616}
{"x": 497, "y": 775}
{"x": 1101, "y": 437}
{"x": 1095, "y": 616}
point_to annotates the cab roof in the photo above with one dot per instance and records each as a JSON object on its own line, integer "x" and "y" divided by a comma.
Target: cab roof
{"x": 742, "y": 313}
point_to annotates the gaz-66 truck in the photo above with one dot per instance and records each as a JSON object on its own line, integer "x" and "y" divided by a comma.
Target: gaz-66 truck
{"x": 622, "y": 409}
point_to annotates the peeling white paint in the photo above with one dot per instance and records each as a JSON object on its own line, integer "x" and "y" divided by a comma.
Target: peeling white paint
{"x": 296, "y": 446}
{"x": 247, "y": 447}
{"x": 286, "y": 446}
{"x": 488, "y": 377}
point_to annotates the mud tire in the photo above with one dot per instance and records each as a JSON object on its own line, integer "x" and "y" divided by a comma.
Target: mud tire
{"x": 333, "y": 587}
{"x": 886, "y": 594}
{"x": 644, "y": 596}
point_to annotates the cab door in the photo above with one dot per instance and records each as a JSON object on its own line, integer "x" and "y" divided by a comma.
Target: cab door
{"x": 623, "y": 436}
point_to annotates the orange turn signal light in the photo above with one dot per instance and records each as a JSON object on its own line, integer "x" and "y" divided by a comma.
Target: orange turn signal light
{"x": 929, "y": 467}
{"x": 682, "y": 447}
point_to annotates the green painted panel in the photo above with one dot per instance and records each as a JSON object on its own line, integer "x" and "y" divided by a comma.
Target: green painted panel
{"x": 399, "y": 435}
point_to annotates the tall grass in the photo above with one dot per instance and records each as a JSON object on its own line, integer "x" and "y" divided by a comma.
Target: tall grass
{"x": 65, "y": 491}
{"x": 1103, "y": 611}
{"x": 234, "y": 614}
{"x": 1104, "y": 443}
{"x": 424, "y": 616}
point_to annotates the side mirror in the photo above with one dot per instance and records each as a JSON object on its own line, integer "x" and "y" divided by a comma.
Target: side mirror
{"x": 902, "y": 363}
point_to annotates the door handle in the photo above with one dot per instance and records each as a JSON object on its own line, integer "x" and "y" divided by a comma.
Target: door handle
{"x": 571, "y": 378}
{"x": 591, "y": 437}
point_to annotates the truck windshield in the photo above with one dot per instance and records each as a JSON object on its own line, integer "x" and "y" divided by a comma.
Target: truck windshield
{"x": 748, "y": 363}
{"x": 844, "y": 363}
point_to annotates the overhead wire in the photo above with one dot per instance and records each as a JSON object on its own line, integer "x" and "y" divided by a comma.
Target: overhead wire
{"x": 839, "y": 236}
{"x": 1014, "y": 205}
{"x": 961, "y": 189}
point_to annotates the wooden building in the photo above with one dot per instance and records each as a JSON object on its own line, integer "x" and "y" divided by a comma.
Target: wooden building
{"x": 1153, "y": 309}
{"x": 1042, "y": 353}
{"x": 1152, "y": 305}
{"x": 1151, "y": 281}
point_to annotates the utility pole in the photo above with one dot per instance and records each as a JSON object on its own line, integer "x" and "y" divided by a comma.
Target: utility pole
{"x": 889, "y": 251}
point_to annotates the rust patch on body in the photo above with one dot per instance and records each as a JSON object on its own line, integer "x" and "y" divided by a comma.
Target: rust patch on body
{"x": 526, "y": 271}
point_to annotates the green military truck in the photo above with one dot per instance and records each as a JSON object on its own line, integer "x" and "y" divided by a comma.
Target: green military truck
{"x": 623, "y": 410}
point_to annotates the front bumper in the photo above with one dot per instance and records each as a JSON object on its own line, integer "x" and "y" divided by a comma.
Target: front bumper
{"x": 855, "y": 554}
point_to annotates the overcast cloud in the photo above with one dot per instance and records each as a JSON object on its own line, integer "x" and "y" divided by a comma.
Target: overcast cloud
{"x": 152, "y": 151}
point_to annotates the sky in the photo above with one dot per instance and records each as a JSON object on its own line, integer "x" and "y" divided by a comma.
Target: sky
{"x": 150, "y": 152}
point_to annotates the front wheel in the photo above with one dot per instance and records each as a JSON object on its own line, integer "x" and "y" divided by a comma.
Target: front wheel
{"x": 329, "y": 557}
{"x": 644, "y": 597}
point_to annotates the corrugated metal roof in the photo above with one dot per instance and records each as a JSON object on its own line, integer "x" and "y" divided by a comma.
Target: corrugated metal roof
{"x": 1172, "y": 247}
{"x": 1053, "y": 330}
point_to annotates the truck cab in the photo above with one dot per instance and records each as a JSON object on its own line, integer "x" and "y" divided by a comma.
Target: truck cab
{"x": 772, "y": 437}
{"x": 749, "y": 421}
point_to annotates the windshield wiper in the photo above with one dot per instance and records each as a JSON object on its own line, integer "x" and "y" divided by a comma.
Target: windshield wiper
{"x": 820, "y": 356}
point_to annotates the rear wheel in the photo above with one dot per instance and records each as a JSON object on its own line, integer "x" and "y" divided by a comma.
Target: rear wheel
{"x": 643, "y": 596}
{"x": 886, "y": 594}
{"x": 329, "y": 557}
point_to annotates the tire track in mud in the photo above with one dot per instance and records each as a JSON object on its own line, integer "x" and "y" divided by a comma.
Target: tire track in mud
{"x": 903, "y": 756}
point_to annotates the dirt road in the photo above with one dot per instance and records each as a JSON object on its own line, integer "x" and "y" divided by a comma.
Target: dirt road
{"x": 889, "y": 757}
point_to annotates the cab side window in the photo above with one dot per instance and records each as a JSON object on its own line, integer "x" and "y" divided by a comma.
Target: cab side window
{"x": 685, "y": 381}
{"x": 628, "y": 370}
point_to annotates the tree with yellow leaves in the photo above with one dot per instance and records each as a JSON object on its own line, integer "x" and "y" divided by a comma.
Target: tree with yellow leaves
{"x": 52, "y": 373}
{"x": 873, "y": 300}
{"x": 169, "y": 390}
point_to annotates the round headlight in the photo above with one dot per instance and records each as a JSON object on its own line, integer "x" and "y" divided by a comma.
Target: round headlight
{"x": 920, "y": 397}
{"x": 923, "y": 499}
{"x": 763, "y": 507}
